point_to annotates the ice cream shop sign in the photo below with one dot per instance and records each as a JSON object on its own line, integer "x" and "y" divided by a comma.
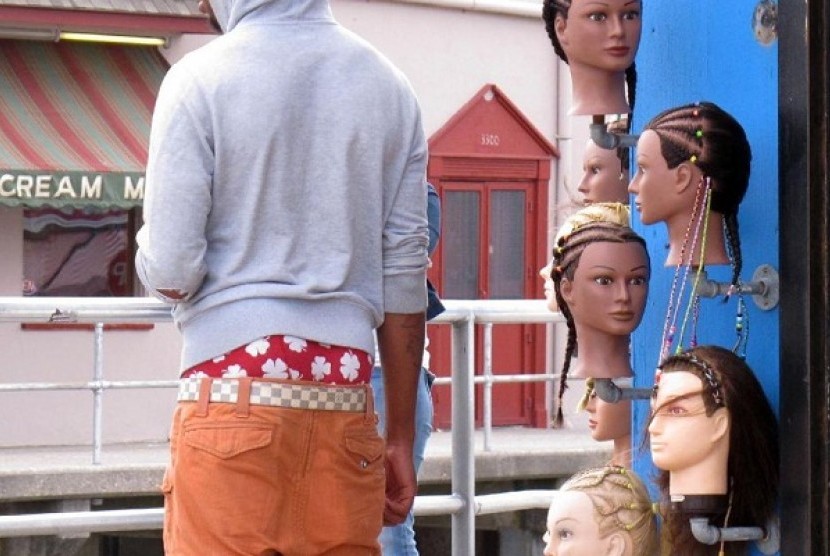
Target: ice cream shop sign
{"x": 116, "y": 189}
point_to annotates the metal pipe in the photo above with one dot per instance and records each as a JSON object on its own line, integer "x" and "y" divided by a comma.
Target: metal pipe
{"x": 609, "y": 392}
{"x": 98, "y": 394}
{"x": 463, "y": 427}
{"x": 487, "y": 371}
{"x": 707, "y": 533}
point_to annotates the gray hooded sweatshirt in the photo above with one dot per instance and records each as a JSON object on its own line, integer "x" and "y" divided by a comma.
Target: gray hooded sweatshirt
{"x": 285, "y": 184}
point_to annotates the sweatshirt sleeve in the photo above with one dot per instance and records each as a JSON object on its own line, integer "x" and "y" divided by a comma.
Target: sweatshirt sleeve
{"x": 406, "y": 234}
{"x": 172, "y": 242}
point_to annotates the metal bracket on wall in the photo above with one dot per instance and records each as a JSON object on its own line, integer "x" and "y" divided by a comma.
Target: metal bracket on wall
{"x": 765, "y": 22}
{"x": 607, "y": 140}
{"x": 768, "y": 540}
{"x": 609, "y": 392}
{"x": 764, "y": 287}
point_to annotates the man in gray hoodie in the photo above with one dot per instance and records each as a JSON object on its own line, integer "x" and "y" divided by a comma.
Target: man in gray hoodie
{"x": 285, "y": 221}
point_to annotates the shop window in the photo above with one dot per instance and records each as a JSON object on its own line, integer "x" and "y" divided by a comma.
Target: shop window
{"x": 78, "y": 252}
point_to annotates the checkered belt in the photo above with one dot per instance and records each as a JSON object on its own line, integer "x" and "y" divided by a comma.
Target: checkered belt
{"x": 279, "y": 394}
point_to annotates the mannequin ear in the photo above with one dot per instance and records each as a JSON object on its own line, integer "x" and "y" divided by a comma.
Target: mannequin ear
{"x": 686, "y": 175}
{"x": 619, "y": 544}
{"x": 566, "y": 287}
{"x": 721, "y": 424}
{"x": 559, "y": 25}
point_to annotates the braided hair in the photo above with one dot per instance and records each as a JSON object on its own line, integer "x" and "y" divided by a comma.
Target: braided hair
{"x": 566, "y": 255}
{"x": 752, "y": 467}
{"x": 621, "y": 503}
{"x": 710, "y": 137}
{"x": 552, "y": 8}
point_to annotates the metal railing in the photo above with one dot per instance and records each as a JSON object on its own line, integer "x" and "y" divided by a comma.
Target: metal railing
{"x": 463, "y": 504}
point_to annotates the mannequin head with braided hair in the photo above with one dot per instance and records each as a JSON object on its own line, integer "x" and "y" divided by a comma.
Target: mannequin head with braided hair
{"x": 600, "y": 273}
{"x": 681, "y": 154}
{"x": 714, "y": 436}
{"x": 605, "y": 511}
{"x": 598, "y": 41}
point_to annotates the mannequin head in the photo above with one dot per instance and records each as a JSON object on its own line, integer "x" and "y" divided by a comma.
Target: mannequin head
{"x": 702, "y": 396}
{"x": 598, "y": 40}
{"x": 605, "y": 175}
{"x": 600, "y": 276}
{"x": 681, "y": 151}
{"x": 601, "y": 511}
{"x": 609, "y": 422}
{"x": 617, "y": 213}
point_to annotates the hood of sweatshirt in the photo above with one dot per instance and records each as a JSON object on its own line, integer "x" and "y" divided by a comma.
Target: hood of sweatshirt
{"x": 230, "y": 13}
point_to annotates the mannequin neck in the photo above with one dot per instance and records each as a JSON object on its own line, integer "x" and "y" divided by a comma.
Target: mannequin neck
{"x": 702, "y": 504}
{"x": 710, "y": 476}
{"x": 601, "y": 355}
{"x": 715, "y": 253}
{"x": 622, "y": 452}
{"x": 596, "y": 91}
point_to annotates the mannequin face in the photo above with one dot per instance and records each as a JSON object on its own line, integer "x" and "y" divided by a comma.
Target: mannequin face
{"x": 660, "y": 192}
{"x": 609, "y": 288}
{"x": 603, "y": 34}
{"x": 608, "y": 421}
{"x": 681, "y": 434}
{"x": 550, "y": 294}
{"x": 601, "y": 181}
{"x": 573, "y": 530}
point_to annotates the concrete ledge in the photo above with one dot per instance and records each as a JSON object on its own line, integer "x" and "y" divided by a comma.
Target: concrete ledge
{"x": 42, "y": 473}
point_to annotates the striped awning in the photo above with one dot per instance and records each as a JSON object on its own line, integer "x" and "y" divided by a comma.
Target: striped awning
{"x": 75, "y": 123}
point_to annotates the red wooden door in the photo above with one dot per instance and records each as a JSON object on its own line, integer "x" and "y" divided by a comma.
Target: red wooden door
{"x": 488, "y": 251}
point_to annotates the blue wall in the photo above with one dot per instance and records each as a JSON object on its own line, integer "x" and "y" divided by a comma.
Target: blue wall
{"x": 706, "y": 50}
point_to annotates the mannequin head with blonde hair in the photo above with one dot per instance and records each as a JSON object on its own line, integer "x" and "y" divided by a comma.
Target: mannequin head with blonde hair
{"x": 604, "y": 511}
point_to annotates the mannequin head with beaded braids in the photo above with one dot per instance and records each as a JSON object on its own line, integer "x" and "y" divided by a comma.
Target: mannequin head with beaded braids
{"x": 605, "y": 511}
{"x": 714, "y": 437}
{"x": 683, "y": 155}
{"x": 600, "y": 273}
{"x": 598, "y": 41}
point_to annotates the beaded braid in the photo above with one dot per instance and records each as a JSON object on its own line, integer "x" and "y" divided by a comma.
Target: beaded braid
{"x": 566, "y": 256}
{"x": 550, "y": 9}
{"x": 621, "y": 503}
{"x": 709, "y": 137}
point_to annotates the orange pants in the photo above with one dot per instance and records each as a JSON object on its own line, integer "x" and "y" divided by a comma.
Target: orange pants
{"x": 250, "y": 480}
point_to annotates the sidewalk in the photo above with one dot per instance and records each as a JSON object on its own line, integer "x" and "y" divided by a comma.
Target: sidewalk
{"x": 136, "y": 469}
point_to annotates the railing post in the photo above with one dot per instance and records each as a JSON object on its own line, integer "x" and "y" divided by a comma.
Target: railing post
{"x": 488, "y": 385}
{"x": 463, "y": 428}
{"x": 98, "y": 393}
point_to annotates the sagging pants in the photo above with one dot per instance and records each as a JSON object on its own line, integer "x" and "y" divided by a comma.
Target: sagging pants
{"x": 250, "y": 480}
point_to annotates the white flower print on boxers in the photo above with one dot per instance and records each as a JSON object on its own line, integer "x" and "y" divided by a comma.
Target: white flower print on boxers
{"x": 349, "y": 365}
{"x": 257, "y": 347}
{"x": 234, "y": 371}
{"x": 295, "y": 344}
{"x": 320, "y": 368}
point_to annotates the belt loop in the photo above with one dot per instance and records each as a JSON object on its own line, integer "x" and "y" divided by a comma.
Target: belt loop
{"x": 370, "y": 415}
{"x": 243, "y": 400}
{"x": 205, "y": 388}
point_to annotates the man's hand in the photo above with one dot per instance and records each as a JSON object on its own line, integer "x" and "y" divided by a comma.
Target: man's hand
{"x": 401, "y": 484}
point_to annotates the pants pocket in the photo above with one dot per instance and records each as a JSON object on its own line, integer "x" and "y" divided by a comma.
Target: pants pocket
{"x": 228, "y": 440}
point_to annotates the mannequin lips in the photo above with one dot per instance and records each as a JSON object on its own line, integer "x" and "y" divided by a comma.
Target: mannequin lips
{"x": 592, "y": 424}
{"x": 618, "y": 51}
{"x": 623, "y": 315}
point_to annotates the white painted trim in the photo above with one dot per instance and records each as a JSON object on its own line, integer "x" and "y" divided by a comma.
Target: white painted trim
{"x": 520, "y": 8}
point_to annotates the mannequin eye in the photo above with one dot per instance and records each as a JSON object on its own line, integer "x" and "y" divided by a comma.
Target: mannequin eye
{"x": 564, "y": 533}
{"x": 603, "y": 280}
{"x": 595, "y": 170}
{"x": 631, "y": 15}
{"x": 597, "y": 16}
{"x": 638, "y": 281}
